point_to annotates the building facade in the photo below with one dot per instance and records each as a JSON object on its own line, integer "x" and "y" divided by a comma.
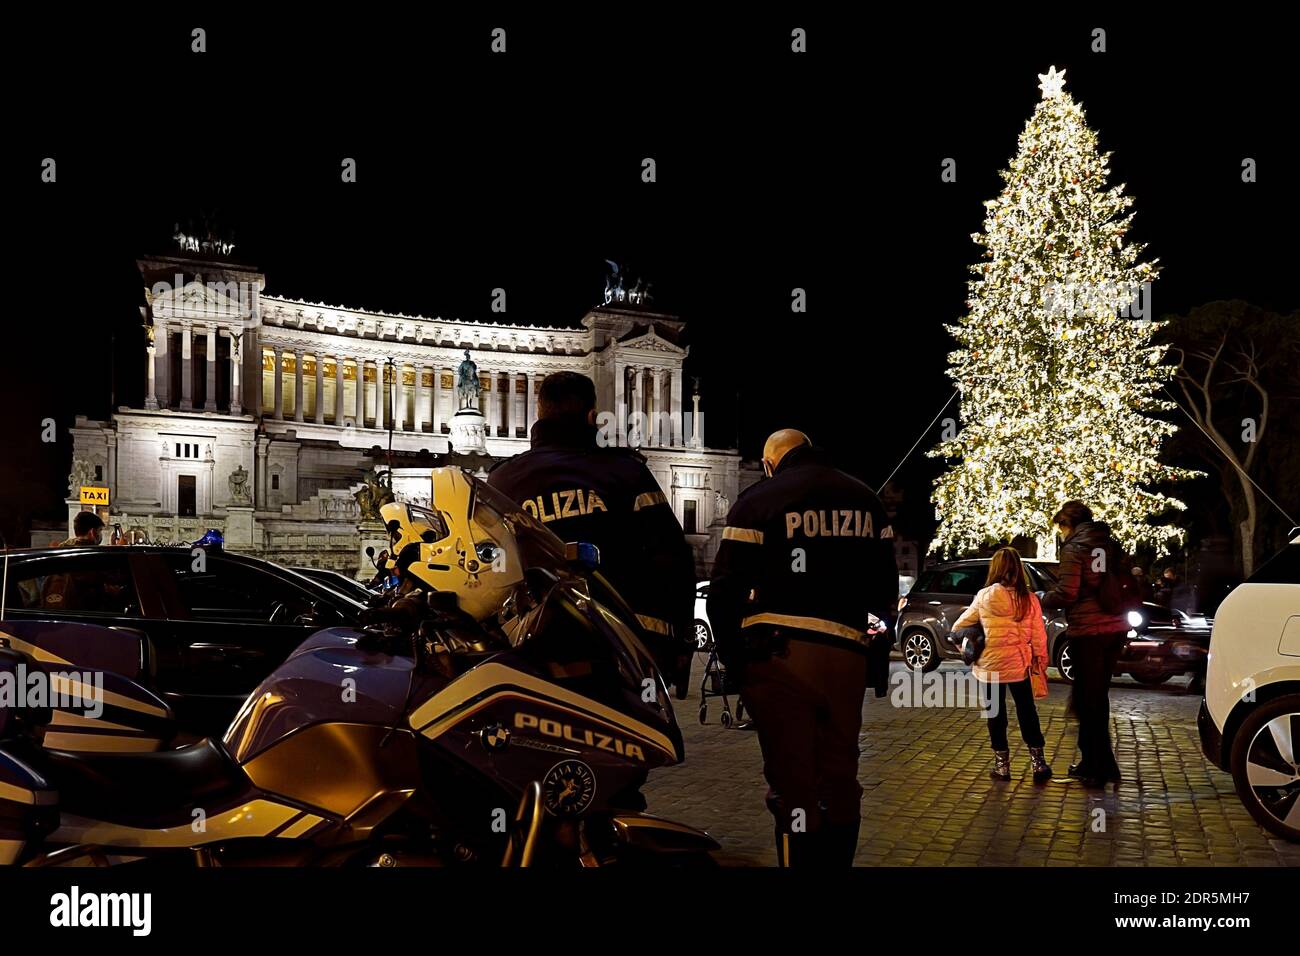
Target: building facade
{"x": 263, "y": 415}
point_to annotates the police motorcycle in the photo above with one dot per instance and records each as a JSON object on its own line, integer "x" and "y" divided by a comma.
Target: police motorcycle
{"x": 502, "y": 710}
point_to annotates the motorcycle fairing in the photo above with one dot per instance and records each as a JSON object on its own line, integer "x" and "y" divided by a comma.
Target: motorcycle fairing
{"x": 259, "y": 817}
{"x": 330, "y": 676}
{"x": 28, "y": 807}
{"x": 492, "y": 681}
{"x": 129, "y": 718}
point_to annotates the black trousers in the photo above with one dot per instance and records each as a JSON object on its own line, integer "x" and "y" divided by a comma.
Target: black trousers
{"x": 1022, "y": 692}
{"x": 806, "y": 703}
{"x": 1094, "y": 663}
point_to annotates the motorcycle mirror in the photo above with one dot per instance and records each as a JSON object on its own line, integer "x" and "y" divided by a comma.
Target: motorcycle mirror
{"x": 370, "y": 552}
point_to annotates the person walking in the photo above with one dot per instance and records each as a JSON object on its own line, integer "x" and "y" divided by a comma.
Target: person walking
{"x": 1015, "y": 643}
{"x": 806, "y": 561}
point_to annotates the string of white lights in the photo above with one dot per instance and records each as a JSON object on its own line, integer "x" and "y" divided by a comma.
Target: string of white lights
{"x": 918, "y": 441}
{"x": 1266, "y": 495}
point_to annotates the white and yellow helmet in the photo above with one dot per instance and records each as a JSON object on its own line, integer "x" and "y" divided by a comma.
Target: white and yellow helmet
{"x": 464, "y": 548}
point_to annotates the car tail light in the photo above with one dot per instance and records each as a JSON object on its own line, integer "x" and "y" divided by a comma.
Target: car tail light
{"x": 902, "y": 603}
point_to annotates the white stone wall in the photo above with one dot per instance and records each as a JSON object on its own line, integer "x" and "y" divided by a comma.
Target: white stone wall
{"x": 311, "y": 517}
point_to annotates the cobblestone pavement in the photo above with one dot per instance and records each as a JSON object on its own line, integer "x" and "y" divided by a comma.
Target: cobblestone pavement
{"x": 929, "y": 800}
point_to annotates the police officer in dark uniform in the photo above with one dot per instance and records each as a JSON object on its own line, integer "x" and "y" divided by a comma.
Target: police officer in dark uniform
{"x": 805, "y": 558}
{"x": 607, "y": 496}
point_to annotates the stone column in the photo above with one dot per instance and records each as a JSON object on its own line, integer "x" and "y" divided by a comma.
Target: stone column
{"x": 436, "y": 412}
{"x": 210, "y": 396}
{"x": 656, "y": 400}
{"x": 361, "y": 393}
{"x": 675, "y": 405}
{"x": 253, "y": 343}
{"x": 530, "y": 404}
{"x": 261, "y": 481}
{"x": 620, "y": 405}
{"x": 151, "y": 396}
{"x": 110, "y": 476}
{"x": 236, "y": 377}
{"x": 278, "y": 411}
{"x": 695, "y": 420}
{"x": 381, "y": 394}
{"x": 639, "y": 405}
{"x": 512, "y": 426}
{"x": 399, "y": 396}
{"x": 320, "y": 389}
{"x": 163, "y": 365}
{"x": 297, "y": 385}
{"x": 187, "y": 369}
{"x": 492, "y": 405}
{"x": 338, "y": 390}
{"x": 420, "y": 369}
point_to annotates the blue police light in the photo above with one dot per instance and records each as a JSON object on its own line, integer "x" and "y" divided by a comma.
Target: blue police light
{"x": 583, "y": 553}
{"x": 212, "y": 538}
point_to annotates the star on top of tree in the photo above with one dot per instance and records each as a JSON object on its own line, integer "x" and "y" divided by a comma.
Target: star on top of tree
{"x": 1052, "y": 82}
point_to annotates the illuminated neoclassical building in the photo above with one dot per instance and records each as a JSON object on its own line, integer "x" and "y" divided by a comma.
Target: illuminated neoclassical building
{"x": 263, "y": 415}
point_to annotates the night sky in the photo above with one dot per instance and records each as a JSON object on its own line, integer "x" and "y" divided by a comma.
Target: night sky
{"x": 523, "y": 172}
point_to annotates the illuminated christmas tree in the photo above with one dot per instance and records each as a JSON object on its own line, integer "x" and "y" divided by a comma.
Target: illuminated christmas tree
{"x": 1057, "y": 371}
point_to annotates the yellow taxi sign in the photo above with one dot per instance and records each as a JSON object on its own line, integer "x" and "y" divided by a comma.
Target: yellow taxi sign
{"x": 94, "y": 496}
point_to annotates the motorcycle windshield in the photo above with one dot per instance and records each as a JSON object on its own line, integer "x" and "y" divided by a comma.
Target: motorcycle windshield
{"x": 499, "y": 521}
{"x": 538, "y": 547}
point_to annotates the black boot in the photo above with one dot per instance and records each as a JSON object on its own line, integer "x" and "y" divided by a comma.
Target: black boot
{"x": 1001, "y": 765}
{"x": 1042, "y": 772}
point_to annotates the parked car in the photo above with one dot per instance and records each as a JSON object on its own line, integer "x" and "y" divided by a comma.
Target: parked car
{"x": 928, "y": 611}
{"x": 215, "y": 627}
{"x": 1162, "y": 643}
{"x": 339, "y": 582}
{"x": 1249, "y": 720}
{"x": 703, "y": 630}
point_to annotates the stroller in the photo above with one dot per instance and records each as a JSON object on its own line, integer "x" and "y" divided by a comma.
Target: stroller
{"x": 714, "y": 683}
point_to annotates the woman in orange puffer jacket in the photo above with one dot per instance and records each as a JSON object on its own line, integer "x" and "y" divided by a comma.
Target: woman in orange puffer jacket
{"x": 1014, "y": 636}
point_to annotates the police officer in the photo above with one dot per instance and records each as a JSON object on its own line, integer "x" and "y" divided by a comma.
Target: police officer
{"x": 805, "y": 557}
{"x": 607, "y": 496}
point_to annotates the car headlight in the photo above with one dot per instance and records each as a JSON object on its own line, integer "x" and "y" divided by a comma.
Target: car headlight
{"x": 1135, "y": 619}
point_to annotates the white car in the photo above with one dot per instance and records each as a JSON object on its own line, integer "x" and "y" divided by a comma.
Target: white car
{"x": 703, "y": 632}
{"x": 1250, "y": 718}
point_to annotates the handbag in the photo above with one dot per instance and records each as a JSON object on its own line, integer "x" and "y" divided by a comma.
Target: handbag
{"x": 1038, "y": 677}
{"x": 971, "y": 641}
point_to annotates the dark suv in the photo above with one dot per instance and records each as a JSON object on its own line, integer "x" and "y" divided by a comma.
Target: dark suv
{"x": 928, "y": 611}
{"x": 215, "y": 627}
{"x": 1163, "y": 642}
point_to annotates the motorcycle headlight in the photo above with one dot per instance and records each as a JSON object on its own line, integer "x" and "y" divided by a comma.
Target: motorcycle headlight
{"x": 1135, "y": 619}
